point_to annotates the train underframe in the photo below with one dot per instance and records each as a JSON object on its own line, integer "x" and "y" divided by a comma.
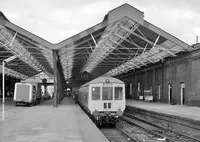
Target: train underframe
{"x": 106, "y": 117}
{"x": 31, "y": 103}
{"x": 103, "y": 117}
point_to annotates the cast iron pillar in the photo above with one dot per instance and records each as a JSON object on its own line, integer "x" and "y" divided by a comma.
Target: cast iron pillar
{"x": 55, "y": 62}
{"x": 154, "y": 83}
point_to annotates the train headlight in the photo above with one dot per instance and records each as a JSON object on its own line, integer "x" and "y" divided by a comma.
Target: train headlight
{"x": 95, "y": 113}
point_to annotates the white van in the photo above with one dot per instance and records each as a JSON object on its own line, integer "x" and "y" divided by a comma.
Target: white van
{"x": 26, "y": 93}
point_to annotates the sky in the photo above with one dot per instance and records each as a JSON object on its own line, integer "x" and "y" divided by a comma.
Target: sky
{"x": 57, "y": 20}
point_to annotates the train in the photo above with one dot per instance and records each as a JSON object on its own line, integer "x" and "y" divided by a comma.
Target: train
{"x": 26, "y": 93}
{"x": 103, "y": 99}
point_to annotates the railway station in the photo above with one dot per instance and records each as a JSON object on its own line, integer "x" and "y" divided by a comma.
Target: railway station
{"x": 159, "y": 82}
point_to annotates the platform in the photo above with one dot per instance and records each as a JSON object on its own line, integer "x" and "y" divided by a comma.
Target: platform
{"x": 189, "y": 112}
{"x": 45, "y": 123}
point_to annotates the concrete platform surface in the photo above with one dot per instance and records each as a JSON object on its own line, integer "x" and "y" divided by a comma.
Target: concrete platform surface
{"x": 190, "y": 112}
{"x": 45, "y": 123}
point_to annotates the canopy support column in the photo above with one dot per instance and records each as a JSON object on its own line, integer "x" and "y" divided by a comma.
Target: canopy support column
{"x": 55, "y": 61}
{"x": 154, "y": 84}
{"x": 59, "y": 80}
{"x": 3, "y": 81}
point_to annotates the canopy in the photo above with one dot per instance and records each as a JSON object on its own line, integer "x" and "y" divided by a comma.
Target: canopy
{"x": 123, "y": 41}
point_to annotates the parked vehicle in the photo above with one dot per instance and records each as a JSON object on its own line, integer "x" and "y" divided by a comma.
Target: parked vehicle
{"x": 27, "y": 93}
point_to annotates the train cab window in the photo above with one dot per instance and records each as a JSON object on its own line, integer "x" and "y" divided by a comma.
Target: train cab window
{"x": 118, "y": 93}
{"x": 95, "y": 93}
{"x": 107, "y": 93}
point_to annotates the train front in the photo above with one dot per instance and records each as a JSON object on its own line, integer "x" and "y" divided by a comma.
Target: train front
{"x": 107, "y": 102}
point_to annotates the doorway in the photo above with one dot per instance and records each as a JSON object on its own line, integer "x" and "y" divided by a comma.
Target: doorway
{"x": 182, "y": 93}
{"x": 159, "y": 91}
{"x": 169, "y": 93}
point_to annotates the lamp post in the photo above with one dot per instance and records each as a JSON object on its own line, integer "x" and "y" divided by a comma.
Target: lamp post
{"x": 3, "y": 82}
{"x": 3, "y": 88}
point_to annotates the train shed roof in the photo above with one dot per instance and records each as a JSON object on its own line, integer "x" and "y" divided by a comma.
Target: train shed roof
{"x": 123, "y": 41}
{"x": 30, "y": 54}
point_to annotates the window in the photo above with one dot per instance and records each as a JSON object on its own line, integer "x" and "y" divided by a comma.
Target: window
{"x": 107, "y": 93}
{"x": 34, "y": 88}
{"x": 138, "y": 86}
{"x": 95, "y": 93}
{"x": 118, "y": 93}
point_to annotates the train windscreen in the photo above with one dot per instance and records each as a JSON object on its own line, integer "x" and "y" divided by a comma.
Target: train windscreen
{"x": 107, "y": 93}
{"x": 118, "y": 93}
{"x": 95, "y": 93}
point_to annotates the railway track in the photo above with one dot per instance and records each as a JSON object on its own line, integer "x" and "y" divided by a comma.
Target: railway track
{"x": 137, "y": 134}
{"x": 134, "y": 129}
{"x": 152, "y": 130}
{"x": 126, "y": 132}
{"x": 114, "y": 134}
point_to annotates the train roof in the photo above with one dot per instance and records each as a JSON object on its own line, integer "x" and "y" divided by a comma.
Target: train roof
{"x": 104, "y": 80}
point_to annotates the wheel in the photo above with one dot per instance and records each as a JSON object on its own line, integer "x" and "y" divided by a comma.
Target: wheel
{"x": 30, "y": 104}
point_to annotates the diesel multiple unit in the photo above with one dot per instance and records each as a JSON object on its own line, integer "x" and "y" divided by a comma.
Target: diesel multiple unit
{"x": 103, "y": 99}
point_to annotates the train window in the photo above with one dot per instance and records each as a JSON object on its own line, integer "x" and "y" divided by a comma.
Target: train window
{"x": 34, "y": 88}
{"x": 95, "y": 93}
{"x": 118, "y": 93}
{"x": 107, "y": 93}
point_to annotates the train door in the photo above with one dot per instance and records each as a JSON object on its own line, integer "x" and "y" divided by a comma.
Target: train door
{"x": 119, "y": 97}
{"x": 169, "y": 93}
{"x": 182, "y": 93}
{"x": 94, "y": 101}
{"x": 107, "y": 97}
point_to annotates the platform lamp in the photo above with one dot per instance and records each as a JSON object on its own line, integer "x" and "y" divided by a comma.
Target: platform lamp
{"x": 3, "y": 80}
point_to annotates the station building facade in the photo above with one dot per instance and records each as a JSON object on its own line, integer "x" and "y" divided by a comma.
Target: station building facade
{"x": 175, "y": 80}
